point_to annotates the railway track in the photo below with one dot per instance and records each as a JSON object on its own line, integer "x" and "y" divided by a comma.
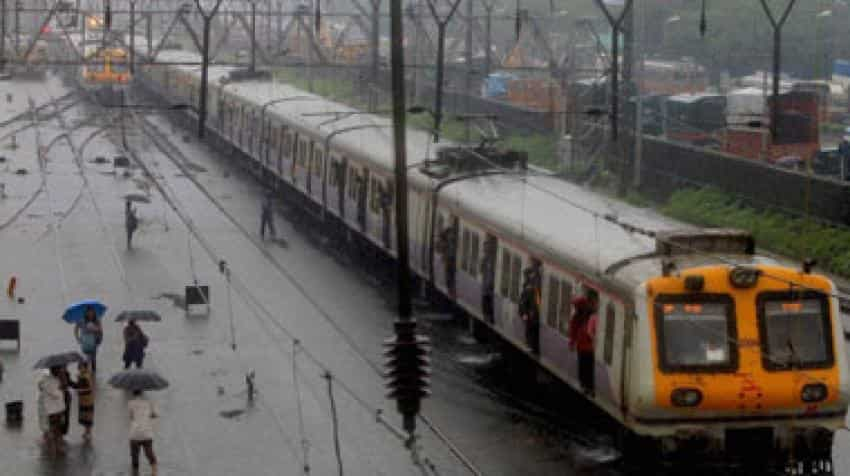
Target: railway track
{"x": 37, "y": 121}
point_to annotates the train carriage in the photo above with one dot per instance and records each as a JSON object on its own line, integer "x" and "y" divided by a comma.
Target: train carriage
{"x": 701, "y": 342}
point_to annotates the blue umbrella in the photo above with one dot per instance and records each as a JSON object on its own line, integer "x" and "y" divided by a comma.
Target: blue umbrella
{"x": 76, "y": 311}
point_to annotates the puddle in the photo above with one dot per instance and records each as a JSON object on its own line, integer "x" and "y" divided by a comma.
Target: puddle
{"x": 231, "y": 413}
{"x": 434, "y": 316}
{"x": 466, "y": 339}
{"x": 477, "y": 359}
{"x": 177, "y": 300}
{"x": 197, "y": 351}
{"x": 280, "y": 242}
{"x": 195, "y": 167}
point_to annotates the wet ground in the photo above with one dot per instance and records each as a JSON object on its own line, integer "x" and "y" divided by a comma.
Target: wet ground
{"x": 498, "y": 412}
{"x": 209, "y": 426}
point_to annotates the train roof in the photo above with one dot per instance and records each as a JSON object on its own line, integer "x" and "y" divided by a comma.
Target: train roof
{"x": 365, "y": 135}
{"x": 549, "y": 216}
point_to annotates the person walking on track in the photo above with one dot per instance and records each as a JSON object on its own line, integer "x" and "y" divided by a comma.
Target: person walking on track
{"x": 89, "y": 334}
{"x": 135, "y": 342}
{"x": 131, "y": 221}
{"x": 52, "y": 403}
{"x": 267, "y": 216}
{"x": 142, "y": 413}
{"x": 85, "y": 399}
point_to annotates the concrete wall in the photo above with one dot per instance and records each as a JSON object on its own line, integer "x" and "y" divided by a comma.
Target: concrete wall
{"x": 667, "y": 167}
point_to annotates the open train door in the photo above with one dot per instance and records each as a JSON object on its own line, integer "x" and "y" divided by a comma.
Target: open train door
{"x": 488, "y": 277}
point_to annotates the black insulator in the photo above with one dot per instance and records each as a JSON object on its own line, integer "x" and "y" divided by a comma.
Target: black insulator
{"x": 408, "y": 370}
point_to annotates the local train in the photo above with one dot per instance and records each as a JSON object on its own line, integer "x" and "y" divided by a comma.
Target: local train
{"x": 105, "y": 71}
{"x": 702, "y": 344}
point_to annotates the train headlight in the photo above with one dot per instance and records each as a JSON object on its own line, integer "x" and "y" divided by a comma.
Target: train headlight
{"x": 686, "y": 397}
{"x": 744, "y": 276}
{"x": 814, "y": 392}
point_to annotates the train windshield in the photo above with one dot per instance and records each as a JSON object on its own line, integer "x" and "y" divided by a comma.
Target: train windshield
{"x": 795, "y": 332}
{"x": 696, "y": 335}
{"x": 118, "y": 67}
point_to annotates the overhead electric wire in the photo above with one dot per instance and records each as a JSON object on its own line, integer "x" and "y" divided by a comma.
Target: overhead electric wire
{"x": 43, "y": 169}
{"x": 240, "y": 287}
{"x": 304, "y": 293}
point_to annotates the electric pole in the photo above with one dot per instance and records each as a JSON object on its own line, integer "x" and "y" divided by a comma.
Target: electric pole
{"x": 2, "y": 35}
{"x": 777, "y": 60}
{"x": 407, "y": 352}
{"x": 442, "y": 23}
{"x": 205, "y": 63}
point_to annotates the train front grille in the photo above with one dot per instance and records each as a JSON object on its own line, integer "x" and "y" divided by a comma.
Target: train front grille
{"x": 747, "y": 442}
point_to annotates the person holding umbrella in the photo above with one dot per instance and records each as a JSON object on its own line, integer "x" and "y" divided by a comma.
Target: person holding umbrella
{"x": 135, "y": 342}
{"x": 52, "y": 403}
{"x": 51, "y": 408}
{"x": 88, "y": 330}
{"x": 142, "y": 411}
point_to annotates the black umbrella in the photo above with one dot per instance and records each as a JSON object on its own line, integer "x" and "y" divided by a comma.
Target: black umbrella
{"x": 149, "y": 316}
{"x": 59, "y": 360}
{"x": 137, "y": 197}
{"x": 138, "y": 379}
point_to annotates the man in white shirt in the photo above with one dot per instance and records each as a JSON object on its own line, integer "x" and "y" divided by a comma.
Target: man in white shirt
{"x": 52, "y": 404}
{"x": 142, "y": 413}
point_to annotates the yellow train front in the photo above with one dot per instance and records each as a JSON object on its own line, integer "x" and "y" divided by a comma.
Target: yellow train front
{"x": 106, "y": 74}
{"x": 738, "y": 360}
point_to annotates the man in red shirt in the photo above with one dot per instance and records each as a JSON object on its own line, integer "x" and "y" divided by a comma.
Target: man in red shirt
{"x": 582, "y": 335}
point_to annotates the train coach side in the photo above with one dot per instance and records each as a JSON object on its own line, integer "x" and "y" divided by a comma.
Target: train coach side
{"x": 472, "y": 237}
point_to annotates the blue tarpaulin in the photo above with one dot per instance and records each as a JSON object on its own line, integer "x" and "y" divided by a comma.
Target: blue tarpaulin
{"x": 841, "y": 67}
{"x": 496, "y": 85}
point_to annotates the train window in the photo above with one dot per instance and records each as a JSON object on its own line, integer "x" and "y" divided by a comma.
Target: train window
{"x": 473, "y": 254}
{"x": 302, "y": 153}
{"x": 375, "y": 195}
{"x": 516, "y": 276}
{"x": 318, "y": 157}
{"x": 287, "y": 142}
{"x": 610, "y": 320}
{"x": 333, "y": 178}
{"x": 352, "y": 179}
{"x": 552, "y": 304}
{"x": 464, "y": 251}
{"x": 505, "y": 282}
{"x": 795, "y": 330}
{"x": 696, "y": 333}
{"x": 566, "y": 307}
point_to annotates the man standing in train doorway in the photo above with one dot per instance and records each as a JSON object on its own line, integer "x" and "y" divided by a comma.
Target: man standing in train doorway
{"x": 267, "y": 216}
{"x": 582, "y": 333}
{"x": 529, "y": 305}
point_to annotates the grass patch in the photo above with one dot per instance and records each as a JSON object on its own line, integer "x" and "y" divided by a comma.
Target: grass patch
{"x": 792, "y": 237}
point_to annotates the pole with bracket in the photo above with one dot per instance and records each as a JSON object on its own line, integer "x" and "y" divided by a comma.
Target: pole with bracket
{"x": 253, "y": 36}
{"x": 132, "y": 51}
{"x": 2, "y": 35}
{"x": 777, "y": 60}
{"x": 616, "y": 24}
